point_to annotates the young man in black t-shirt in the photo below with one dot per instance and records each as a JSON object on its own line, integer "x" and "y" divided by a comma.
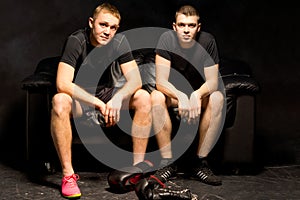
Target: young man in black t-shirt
{"x": 194, "y": 55}
{"x": 86, "y": 54}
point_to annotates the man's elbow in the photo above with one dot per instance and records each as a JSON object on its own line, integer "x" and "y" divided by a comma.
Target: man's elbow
{"x": 137, "y": 84}
{"x": 159, "y": 84}
{"x": 212, "y": 86}
{"x": 61, "y": 87}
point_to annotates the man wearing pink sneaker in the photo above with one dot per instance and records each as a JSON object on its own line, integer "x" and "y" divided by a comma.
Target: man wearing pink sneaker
{"x": 74, "y": 97}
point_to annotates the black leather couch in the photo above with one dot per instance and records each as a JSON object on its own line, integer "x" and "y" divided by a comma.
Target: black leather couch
{"x": 235, "y": 147}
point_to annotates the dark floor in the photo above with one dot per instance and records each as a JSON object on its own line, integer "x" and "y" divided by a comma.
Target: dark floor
{"x": 282, "y": 182}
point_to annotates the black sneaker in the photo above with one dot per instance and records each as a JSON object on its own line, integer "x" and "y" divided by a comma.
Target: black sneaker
{"x": 162, "y": 175}
{"x": 203, "y": 173}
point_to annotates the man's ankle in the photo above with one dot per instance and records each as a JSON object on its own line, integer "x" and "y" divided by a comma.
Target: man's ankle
{"x": 165, "y": 162}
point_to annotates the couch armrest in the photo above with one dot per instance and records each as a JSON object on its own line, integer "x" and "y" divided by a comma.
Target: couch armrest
{"x": 240, "y": 84}
{"x": 237, "y": 77}
{"x": 38, "y": 81}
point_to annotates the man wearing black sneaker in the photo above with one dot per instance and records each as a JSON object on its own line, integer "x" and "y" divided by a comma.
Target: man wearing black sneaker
{"x": 192, "y": 53}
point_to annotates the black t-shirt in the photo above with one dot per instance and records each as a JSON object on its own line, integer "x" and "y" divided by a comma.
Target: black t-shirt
{"x": 192, "y": 61}
{"x": 96, "y": 66}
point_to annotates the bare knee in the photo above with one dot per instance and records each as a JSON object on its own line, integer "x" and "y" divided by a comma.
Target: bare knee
{"x": 61, "y": 104}
{"x": 142, "y": 101}
{"x": 217, "y": 101}
{"x": 157, "y": 98}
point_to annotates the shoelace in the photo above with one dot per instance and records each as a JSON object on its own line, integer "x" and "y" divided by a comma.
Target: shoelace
{"x": 203, "y": 173}
{"x": 165, "y": 173}
{"x": 71, "y": 180}
{"x": 161, "y": 176}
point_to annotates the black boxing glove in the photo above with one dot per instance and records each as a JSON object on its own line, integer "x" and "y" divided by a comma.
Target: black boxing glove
{"x": 124, "y": 179}
{"x": 145, "y": 191}
{"x": 172, "y": 194}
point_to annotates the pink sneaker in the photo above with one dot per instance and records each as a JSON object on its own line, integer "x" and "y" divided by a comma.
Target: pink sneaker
{"x": 69, "y": 187}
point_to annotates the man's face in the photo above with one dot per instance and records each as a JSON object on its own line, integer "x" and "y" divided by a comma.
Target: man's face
{"x": 103, "y": 27}
{"x": 187, "y": 28}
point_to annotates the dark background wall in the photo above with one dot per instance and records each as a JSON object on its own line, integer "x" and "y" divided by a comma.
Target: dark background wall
{"x": 264, "y": 34}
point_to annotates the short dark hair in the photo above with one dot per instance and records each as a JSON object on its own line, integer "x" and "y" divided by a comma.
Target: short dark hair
{"x": 108, "y": 7}
{"x": 187, "y": 10}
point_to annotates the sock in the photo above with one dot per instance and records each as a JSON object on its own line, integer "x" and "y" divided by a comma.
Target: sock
{"x": 166, "y": 151}
{"x": 201, "y": 160}
{"x": 202, "y": 157}
{"x": 138, "y": 157}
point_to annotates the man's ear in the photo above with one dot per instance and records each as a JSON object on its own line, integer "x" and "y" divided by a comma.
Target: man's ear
{"x": 174, "y": 26}
{"x": 91, "y": 21}
{"x": 199, "y": 27}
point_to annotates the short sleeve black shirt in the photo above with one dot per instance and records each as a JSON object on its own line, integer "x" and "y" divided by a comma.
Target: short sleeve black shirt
{"x": 192, "y": 61}
{"x": 96, "y": 65}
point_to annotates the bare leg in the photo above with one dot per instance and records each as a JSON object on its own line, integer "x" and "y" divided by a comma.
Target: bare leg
{"x": 161, "y": 123}
{"x": 141, "y": 126}
{"x": 61, "y": 130}
{"x": 210, "y": 123}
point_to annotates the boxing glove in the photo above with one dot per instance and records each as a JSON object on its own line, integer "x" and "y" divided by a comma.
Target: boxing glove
{"x": 145, "y": 191}
{"x": 124, "y": 179}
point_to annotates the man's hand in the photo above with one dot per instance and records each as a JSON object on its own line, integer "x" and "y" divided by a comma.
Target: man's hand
{"x": 112, "y": 111}
{"x": 195, "y": 110}
{"x": 183, "y": 105}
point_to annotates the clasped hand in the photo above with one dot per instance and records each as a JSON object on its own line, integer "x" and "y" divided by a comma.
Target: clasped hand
{"x": 189, "y": 108}
{"x": 112, "y": 111}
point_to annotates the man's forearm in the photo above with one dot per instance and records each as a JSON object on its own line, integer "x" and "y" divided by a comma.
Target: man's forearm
{"x": 128, "y": 89}
{"x": 211, "y": 83}
{"x": 168, "y": 89}
{"x": 207, "y": 88}
{"x": 133, "y": 80}
{"x": 82, "y": 95}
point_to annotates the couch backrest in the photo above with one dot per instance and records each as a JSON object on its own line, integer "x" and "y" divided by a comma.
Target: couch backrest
{"x": 48, "y": 66}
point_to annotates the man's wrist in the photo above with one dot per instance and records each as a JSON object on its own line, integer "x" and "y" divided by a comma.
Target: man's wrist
{"x": 199, "y": 94}
{"x": 98, "y": 103}
{"x": 118, "y": 96}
